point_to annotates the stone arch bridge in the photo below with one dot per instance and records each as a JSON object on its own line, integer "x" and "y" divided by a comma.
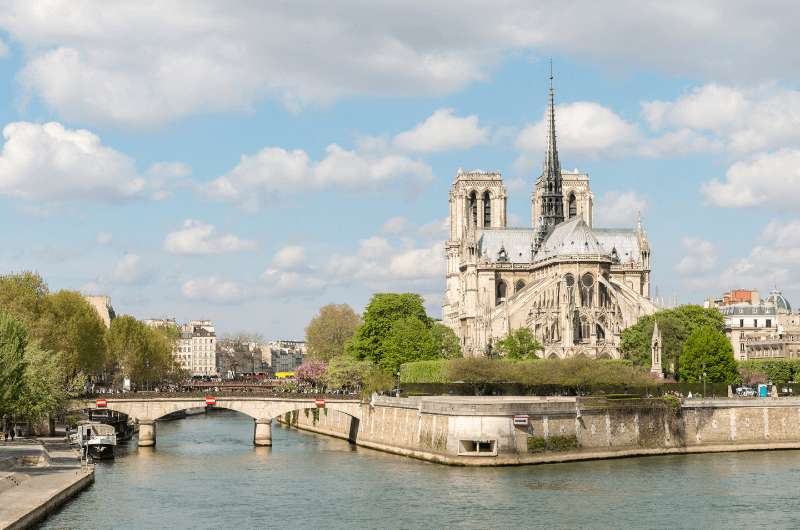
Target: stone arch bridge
{"x": 146, "y": 410}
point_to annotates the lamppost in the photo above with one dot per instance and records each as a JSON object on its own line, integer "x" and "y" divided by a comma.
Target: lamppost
{"x": 704, "y": 380}
{"x": 397, "y": 392}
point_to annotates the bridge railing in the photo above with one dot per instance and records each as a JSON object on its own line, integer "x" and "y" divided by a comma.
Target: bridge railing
{"x": 221, "y": 393}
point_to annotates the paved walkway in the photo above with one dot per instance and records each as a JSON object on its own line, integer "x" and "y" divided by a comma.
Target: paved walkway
{"x": 36, "y": 477}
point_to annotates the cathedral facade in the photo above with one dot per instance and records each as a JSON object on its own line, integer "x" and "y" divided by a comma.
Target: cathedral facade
{"x": 575, "y": 286}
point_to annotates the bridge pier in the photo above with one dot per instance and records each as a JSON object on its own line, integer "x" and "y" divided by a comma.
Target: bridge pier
{"x": 147, "y": 433}
{"x": 262, "y": 434}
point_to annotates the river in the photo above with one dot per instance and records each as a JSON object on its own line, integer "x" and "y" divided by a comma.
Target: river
{"x": 205, "y": 473}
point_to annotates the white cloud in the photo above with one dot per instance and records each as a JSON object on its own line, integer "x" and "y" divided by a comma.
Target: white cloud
{"x": 292, "y": 283}
{"x": 149, "y": 62}
{"x": 442, "y": 131}
{"x": 437, "y": 229}
{"x": 396, "y": 225}
{"x": 290, "y": 257}
{"x": 766, "y": 179}
{"x": 131, "y": 269}
{"x": 583, "y": 127}
{"x": 618, "y": 209}
{"x": 198, "y": 238}
{"x": 49, "y": 161}
{"x": 275, "y": 171}
{"x": 104, "y": 238}
{"x": 699, "y": 257}
{"x": 215, "y": 290}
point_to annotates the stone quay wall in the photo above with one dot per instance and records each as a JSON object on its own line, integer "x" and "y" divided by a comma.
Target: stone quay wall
{"x": 481, "y": 430}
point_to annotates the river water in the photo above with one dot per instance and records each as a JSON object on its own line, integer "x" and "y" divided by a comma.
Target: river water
{"x": 205, "y": 473}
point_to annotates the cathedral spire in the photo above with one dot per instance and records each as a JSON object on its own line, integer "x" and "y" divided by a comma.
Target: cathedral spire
{"x": 552, "y": 200}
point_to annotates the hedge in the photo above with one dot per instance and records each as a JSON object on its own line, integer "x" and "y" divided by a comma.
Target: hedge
{"x": 424, "y": 372}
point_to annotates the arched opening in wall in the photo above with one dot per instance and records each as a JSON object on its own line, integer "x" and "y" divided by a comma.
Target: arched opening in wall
{"x": 518, "y": 286}
{"x": 585, "y": 333}
{"x": 601, "y": 334}
{"x": 587, "y": 290}
{"x": 572, "y": 206}
{"x": 501, "y": 292}
{"x": 555, "y": 333}
{"x": 487, "y": 209}
{"x": 603, "y": 295}
{"x": 552, "y": 356}
{"x": 472, "y": 208}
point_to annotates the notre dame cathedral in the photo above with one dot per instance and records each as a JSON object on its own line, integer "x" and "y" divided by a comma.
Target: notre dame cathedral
{"x": 575, "y": 286}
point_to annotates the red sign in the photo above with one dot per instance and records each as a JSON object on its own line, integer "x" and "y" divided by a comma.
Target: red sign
{"x": 319, "y": 403}
{"x": 521, "y": 420}
{"x": 211, "y": 400}
{"x": 101, "y": 403}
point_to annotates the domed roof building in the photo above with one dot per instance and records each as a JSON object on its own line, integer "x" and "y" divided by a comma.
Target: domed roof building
{"x": 780, "y": 302}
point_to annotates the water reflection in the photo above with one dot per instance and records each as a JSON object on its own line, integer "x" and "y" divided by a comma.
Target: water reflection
{"x": 205, "y": 473}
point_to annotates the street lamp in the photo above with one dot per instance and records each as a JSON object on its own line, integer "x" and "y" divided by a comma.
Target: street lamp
{"x": 704, "y": 380}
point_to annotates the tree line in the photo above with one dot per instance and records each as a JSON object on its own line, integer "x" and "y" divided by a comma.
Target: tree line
{"x": 353, "y": 352}
{"x": 54, "y": 345}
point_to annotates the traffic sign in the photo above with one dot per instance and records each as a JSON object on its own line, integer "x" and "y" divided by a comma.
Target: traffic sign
{"x": 319, "y": 403}
{"x": 211, "y": 400}
{"x": 101, "y": 403}
{"x": 521, "y": 420}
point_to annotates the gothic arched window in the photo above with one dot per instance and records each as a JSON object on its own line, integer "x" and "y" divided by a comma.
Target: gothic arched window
{"x": 472, "y": 208}
{"x": 518, "y": 286}
{"x": 572, "y": 206}
{"x": 601, "y": 335}
{"x": 487, "y": 209}
{"x": 501, "y": 291}
{"x": 587, "y": 290}
{"x": 584, "y": 329}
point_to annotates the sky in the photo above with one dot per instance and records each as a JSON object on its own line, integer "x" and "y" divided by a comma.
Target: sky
{"x": 249, "y": 162}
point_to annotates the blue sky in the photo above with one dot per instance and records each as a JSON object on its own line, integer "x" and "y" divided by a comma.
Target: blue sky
{"x": 252, "y": 163}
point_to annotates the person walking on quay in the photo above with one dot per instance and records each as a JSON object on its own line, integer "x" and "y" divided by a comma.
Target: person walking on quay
{"x": 12, "y": 433}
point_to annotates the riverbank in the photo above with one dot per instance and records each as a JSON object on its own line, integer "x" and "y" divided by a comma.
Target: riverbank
{"x": 502, "y": 431}
{"x": 37, "y": 476}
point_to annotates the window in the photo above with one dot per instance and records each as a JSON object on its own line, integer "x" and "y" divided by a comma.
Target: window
{"x": 501, "y": 291}
{"x": 741, "y": 322}
{"x": 487, "y": 209}
{"x": 741, "y": 347}
{"x": 472, "y": 208}
{"x": 519, "y": 285}
{"x": 755, "y": 322}
{"x": 572, "y": 206}
{"x": 587, "y": 290}
{"x": 769, "y": 323}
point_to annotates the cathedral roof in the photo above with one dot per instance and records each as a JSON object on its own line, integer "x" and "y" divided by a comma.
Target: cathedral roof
{"x": 517, "y": 243}
{"x": 779, "y": 301}
{"x": 624, "y": 240}
{"x": 571, "y": 238}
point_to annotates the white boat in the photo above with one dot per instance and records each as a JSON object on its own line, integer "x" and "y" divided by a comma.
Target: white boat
{"x": 97, "y": 439}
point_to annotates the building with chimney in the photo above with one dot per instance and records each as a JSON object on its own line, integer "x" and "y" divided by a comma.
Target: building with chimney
{"x": 575, "y": 286}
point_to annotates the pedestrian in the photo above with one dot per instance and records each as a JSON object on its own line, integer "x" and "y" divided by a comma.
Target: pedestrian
{"x": 12, "y": 433}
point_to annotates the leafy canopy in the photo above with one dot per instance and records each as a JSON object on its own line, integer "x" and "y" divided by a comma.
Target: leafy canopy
{"x": 519, "y": 344}
{"x": 329, "y": 331}
{"x": 675, "y": 325}
{"x": 383, "y": 310}
{"x": 708, "y": 350}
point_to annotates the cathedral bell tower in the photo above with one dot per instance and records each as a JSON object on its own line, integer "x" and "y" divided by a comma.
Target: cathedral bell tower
{"x": 551, "y": 200}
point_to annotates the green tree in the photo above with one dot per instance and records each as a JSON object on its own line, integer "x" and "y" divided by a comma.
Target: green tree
{"x": 519, "y": 344}
{"x": 329, "y": 331}
{"x": 409, "y": 339}
{"x": 71, "y": 326}
{"x": 141, "y": 352}
{"x": 13, "y": 341}
{"x": 675, "y": 324}
{"x": 44, "y": 390}
{"x": 23, "y": 296}
{"x": 446, "y": 341}
{"x": 708, "y": 350}
{"x": 383, "y": 311}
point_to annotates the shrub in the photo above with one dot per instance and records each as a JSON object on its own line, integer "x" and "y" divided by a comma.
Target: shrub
{"x": 539, "y": 444}
{"x": 424, "y": 372}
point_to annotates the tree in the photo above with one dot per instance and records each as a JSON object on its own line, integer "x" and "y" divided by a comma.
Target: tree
{"x": 311, "y": 372}
{"x": 70, "y": 325}
{"x": 13, "y": 341}
{"x": 675, "y": 325}
{"x": 23, "y": 296}
{"x": 44, "y": 389}
{"x": 519, "y": 344}
{"x": 383, "y": 311}
{"x": 140, "y": 352}
{"x": 708, "y": 350}
{"x": 409, "y": 339}
{"x": 329, "y": 331}
{"x": 446, "y": 341}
